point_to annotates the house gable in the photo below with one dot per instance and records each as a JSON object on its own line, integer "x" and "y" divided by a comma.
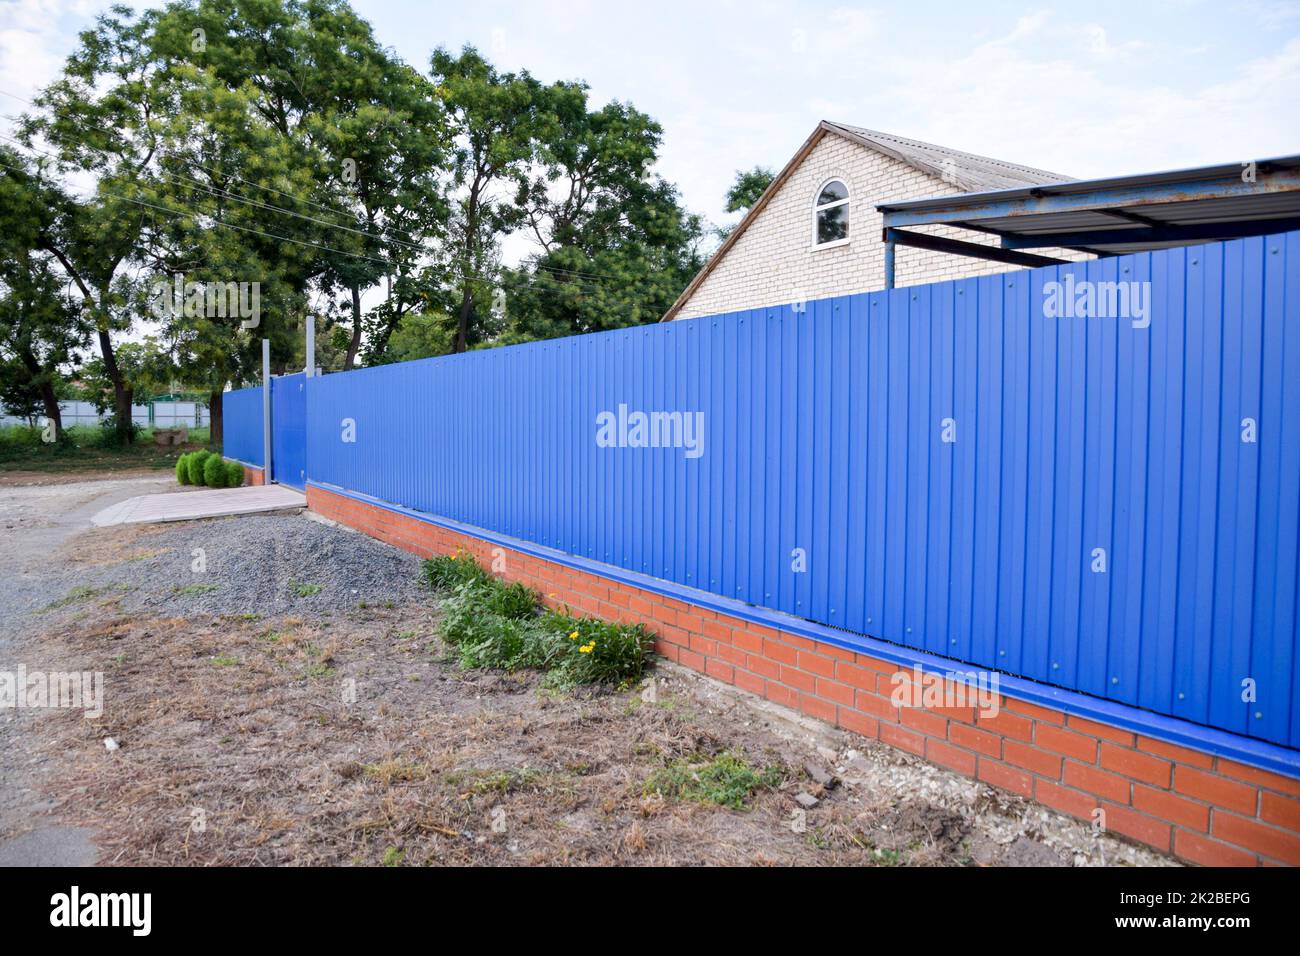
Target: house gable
{"x": 770, "y": 259}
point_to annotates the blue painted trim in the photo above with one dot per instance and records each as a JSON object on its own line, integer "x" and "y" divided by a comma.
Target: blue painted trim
{"x": 1255, "y": 753}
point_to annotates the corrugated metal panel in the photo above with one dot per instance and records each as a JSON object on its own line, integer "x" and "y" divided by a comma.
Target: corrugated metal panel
{"x": 242, "y": 425}
{"x": 1098, "y": 522}
{"x": 288, "y": 430}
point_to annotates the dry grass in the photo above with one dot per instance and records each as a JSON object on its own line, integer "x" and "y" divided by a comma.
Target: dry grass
{"x": 352, "y": 737}
{"x": 245, "y": 725}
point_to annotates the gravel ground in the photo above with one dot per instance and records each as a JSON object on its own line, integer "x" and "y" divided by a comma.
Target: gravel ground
{"x": 260, "y": 564}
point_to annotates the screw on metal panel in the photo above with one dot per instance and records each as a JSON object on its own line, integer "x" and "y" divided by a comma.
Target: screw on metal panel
{"x": 1056, "y": 666}
{"x": 1114, "y": 680}
{"x": 1002, "y": 653}
{"x": 1259, "y": 715}
{"x": 1182, "y": 696}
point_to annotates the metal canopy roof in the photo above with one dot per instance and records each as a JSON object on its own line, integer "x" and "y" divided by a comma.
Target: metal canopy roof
{"x": 1111, "y": 216}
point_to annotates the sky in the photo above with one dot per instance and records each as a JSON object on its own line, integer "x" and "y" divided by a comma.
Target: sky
{"x": 1085, "y": 88}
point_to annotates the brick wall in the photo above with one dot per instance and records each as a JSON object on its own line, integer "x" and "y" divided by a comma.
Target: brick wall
{"x": 253, "y": 476}
{"x": 773, "y": 261}
{"x": 1195, "y": 805}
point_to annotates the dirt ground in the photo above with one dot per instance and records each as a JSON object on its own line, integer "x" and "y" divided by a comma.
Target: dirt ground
{"x": 280, "y": 721}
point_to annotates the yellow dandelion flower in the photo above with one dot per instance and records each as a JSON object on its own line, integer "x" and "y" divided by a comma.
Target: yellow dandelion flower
{"x": 573, "y": 636}
{"x": 585, "y": 649}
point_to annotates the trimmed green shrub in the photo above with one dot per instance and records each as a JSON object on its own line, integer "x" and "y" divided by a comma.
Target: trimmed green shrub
{"x": 183, "y": 468}
{"x": 214, "y": 471}
{"x": 234, "y": 474}
{"x": 197, "y": 463}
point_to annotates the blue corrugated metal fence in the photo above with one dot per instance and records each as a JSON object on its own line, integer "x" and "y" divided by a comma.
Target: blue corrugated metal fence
{"x": 242, "y": 425}
{"x": 288, "y": 430}
{"x": 1089, "y": 503}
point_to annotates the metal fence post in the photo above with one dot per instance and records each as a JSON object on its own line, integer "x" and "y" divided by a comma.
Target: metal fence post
{"x": 266, "y": 411}
{"x": 311, "y": 344}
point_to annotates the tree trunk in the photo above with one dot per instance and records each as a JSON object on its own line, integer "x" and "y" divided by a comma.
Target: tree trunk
{"x": 462, "y": 318}
{"x": 123, "y": 399}
{"x": 354, "y": 345}
{"x": 45, "y": 385}
{"x": 121, "y": 394}
{"x": 471, "y": 244}
{"x": 52, "y": 411}
{"x": 379, "y": 346}
{"x": 216, "y": 420}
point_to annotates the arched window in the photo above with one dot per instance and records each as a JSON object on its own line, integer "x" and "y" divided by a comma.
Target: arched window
{"x": 831, "y": 214}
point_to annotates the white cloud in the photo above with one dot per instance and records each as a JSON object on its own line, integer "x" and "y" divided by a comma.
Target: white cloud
{"x": 1088, "y": 93}
{"x": 34, "y": 41}
{"x": 1044, "y": 103}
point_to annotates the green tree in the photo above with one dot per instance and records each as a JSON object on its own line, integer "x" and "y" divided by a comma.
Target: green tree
{"x": 339, "y": 145}
{"x": 41, "y": 328}
{"x": 250, "y": 184}
{"x": 749, "y": 185}
{"x": 617, "y": 247}
{"x": 494, "y": 117}
{"x": 419, "y": 335}
{"x": 148, "y": 367}
{"x": 99, "y": 116}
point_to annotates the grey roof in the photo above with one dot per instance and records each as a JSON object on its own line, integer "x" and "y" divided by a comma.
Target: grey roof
{"x": 1123, "y": 214}
{"x": 965, "y": 170}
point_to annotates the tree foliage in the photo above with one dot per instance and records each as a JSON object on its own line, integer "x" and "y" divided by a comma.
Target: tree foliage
{"x": 278, "y": 145}
{"x": 748, "y": 186}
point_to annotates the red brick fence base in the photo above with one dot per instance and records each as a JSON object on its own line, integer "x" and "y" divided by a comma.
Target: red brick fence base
{"x": 1198, "y": 806}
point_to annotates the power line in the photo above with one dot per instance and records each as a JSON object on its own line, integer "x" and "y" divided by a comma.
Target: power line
{"x": 301, "y": 242}
{"x": 238, "y": 198}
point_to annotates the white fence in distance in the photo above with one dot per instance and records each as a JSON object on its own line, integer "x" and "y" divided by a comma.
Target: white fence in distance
{"x": 164, "y": 415}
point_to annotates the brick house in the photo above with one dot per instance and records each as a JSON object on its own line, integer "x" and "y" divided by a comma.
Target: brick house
{"x": 815, "y": 232}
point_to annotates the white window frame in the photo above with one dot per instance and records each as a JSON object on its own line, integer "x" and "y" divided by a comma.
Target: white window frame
{"x": 818, "y": 209}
